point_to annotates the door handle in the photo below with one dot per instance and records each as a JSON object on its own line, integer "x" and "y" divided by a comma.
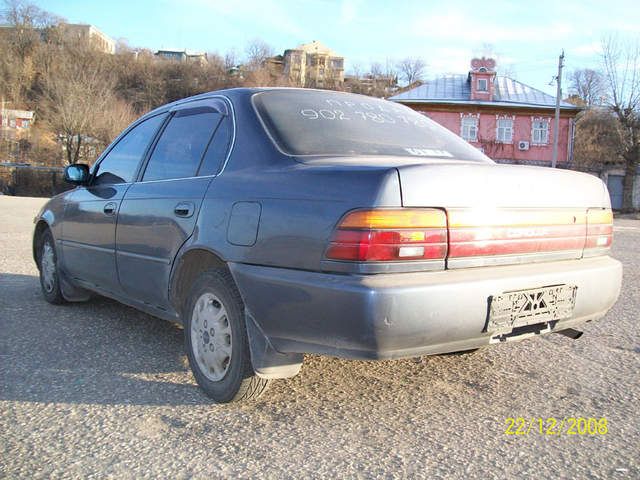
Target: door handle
{"x": 110, "y": 208}
{"x": 184, "y": 209}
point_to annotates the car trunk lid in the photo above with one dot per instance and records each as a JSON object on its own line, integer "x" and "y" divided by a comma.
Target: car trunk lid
{"x": 505, "y": 214}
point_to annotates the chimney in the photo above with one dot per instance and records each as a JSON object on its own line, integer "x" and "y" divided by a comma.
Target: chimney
{"x": 482, "y": 76}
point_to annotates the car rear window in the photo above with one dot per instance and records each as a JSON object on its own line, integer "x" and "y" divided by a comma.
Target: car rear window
{"x": 313, "y": 122}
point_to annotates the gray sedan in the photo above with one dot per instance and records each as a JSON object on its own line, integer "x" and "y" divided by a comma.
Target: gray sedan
{"x": 277, "y": 222}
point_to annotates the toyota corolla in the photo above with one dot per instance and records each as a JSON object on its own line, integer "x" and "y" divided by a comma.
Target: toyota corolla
{"x": 277, "y": 222}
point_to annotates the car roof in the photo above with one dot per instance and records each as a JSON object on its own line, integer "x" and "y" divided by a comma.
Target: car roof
{"x": 237, "y": 92}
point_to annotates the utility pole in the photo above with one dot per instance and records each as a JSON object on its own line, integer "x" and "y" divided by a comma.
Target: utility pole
{"x": 556, "y": 123}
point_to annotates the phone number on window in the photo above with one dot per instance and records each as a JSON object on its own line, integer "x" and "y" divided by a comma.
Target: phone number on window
{"x": 556, "y": 426}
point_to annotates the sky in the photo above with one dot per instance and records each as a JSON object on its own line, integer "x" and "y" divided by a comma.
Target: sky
{"x": 525, "y": 37}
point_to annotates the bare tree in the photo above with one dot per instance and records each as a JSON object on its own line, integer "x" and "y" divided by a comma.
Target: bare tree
{"x": 78, "y": 96}
{"x": 26, "y": 19}
{"x": 257, "y": 52}
{"x": 26, "y": 14}
{"x": 587, "y": 86}
{"x": 19, "y": 46}
{"x": 412, "y": 69}
{"x": 622, "y": 76}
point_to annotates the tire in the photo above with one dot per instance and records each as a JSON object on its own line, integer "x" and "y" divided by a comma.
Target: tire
{"x": 48, "y": 266}
{"x": 216, "y": 340}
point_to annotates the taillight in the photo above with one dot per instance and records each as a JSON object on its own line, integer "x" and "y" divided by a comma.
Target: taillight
{"x": 599, "y": 228}
{"x": 475, "y": 233}
{"x": 383, "y": 235}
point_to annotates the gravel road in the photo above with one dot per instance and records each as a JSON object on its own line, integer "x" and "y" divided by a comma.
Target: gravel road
{"x": 100, "y": 390}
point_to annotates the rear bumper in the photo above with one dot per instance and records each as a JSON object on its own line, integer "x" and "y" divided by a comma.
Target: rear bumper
{"x": 407, "y": 314}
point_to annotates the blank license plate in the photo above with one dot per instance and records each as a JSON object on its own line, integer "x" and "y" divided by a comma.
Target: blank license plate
{"x": 528, "y": 307}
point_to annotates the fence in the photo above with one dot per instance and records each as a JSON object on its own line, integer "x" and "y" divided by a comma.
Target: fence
{"x": 31, "y": 181}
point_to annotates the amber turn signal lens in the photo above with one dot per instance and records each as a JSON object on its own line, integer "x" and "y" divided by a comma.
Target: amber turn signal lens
{"x": 599, "y": 215}
{"x": 399, "y": 218}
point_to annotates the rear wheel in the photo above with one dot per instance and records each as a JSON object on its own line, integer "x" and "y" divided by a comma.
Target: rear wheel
{"x": 48, "y": 263}
{"x": 216, "y": 340}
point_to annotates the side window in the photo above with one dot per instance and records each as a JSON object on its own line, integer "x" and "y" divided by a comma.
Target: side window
{"x": 121, "y": 163}
{"x": 180, "y": 147}
{"x": 218, "y": 148}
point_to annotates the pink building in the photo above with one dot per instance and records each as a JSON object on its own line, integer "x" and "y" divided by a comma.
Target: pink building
{"x": 508, "y": 120}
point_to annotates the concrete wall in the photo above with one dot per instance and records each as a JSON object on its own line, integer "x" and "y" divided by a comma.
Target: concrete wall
{"x": 636, "y": 186}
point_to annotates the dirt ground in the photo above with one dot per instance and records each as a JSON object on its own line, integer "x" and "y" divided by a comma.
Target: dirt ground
{"x": 100, "y": 390}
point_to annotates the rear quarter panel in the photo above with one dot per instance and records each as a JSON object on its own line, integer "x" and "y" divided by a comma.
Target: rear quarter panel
{"x": 300, "y": 207}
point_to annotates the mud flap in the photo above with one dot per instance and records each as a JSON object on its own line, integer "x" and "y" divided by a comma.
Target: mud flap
{"x": 70, "y": 292}
{"x": 267, "y": 362}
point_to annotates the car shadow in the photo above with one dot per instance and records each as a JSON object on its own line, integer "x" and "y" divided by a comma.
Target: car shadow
{"x": 94, "y": 352}
{"x": 102, "y": 352}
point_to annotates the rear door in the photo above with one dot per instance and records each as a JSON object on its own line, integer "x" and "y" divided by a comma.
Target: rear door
{"x": 159, "y": 211}
{"x": 89, "y": 231}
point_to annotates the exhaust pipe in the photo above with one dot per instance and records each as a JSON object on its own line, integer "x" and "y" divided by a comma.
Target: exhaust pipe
{"x": 571, "y": 333}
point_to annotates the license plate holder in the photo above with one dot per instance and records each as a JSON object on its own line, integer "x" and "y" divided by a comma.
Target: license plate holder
{"x": 519, "y": 308}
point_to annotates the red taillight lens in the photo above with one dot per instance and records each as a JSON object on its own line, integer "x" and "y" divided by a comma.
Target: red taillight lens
{"x": 474, "y": 233}
{"x": 599, "y": 228}
{"x": 390, "y": 235}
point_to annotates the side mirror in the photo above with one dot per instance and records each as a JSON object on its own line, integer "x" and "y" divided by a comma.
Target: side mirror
{"x": 78, "y": 173}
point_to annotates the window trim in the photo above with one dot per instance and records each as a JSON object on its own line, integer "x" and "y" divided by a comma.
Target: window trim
{"x": 511, "y": 130}
{"x": 486, "y": 85}
{"x": 476, "y": 126}
{"x": 547, "y": 122}
{"x": 206, "y": 150}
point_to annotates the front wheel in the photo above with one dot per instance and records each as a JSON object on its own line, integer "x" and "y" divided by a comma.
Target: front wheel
{"x": 48, "y": 266}
{"x": 216, "y": 340}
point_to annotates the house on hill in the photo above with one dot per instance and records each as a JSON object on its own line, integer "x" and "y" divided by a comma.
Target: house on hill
{"x": 509, "y": 121}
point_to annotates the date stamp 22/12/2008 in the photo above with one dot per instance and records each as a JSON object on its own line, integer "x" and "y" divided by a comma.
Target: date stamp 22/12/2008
{"x": 553, "y": 426}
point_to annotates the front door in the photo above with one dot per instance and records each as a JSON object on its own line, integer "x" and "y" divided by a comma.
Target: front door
{"x": 90, "y": 217}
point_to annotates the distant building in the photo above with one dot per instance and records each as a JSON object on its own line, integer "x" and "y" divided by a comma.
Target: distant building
{"x": 85, "y": 34}
{"x": 371, "y": 84}
{"x": 182, "y": 56}
{"x": 16, "y": 119}
{"x": 89, "y": 33}
{"x": 508, "y": 120}
{"x": 312, "y": 65}
{"x": 15, "y": 124}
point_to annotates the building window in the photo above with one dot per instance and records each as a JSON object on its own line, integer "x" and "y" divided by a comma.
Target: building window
{"x": 504, "y": 132}
{"x": 483, "y": 85}
{"x": 540, "y": 132}
{"x": 469, "y": 129}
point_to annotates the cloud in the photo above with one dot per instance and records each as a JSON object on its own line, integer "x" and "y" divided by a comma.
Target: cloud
{"x": 586, "y": 50}
{"x": 349, "y": 10}
{"x": 467, "y": 27}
